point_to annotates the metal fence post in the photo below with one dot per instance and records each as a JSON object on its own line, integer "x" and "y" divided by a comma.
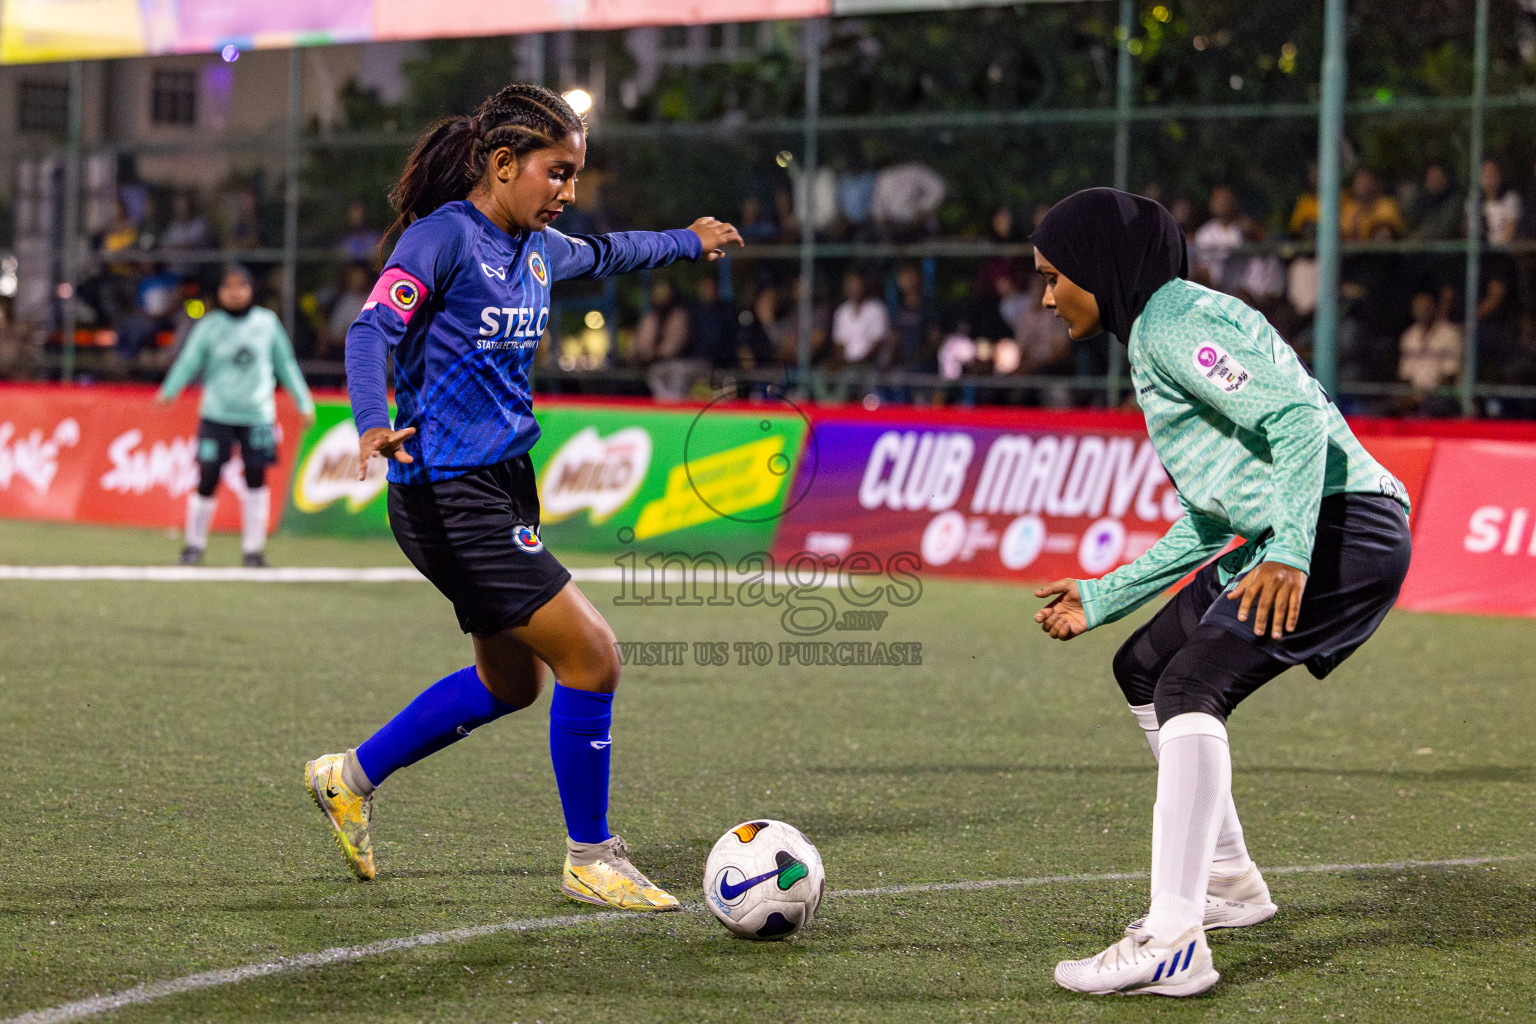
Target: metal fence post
{"x": 1117, "y": 357}
{"x": 1474, "y": 210}
{"x": 1330, "y": 125}
{"x": 70, "y": 264}
{"x": 812, "y": 43}
{"x": 291, "y": 191}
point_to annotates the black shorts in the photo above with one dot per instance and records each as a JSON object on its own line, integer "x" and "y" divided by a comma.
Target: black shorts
{"x": 476, "y": 537}
{"x": 1359, "y": 560}
{"x": 216, "y": 442}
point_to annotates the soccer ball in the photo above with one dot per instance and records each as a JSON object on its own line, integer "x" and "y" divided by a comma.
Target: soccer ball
{"x": 764, "y": 880}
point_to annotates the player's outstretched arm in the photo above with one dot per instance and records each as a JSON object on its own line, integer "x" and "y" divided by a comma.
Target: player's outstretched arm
{"x": 715, "y": 235}
{"x": 1063, "y": 618}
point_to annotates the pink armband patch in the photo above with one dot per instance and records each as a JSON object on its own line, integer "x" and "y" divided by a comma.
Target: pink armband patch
{"x": 398, "y": 291}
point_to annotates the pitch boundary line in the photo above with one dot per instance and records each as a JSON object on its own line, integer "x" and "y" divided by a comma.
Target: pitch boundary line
{"x": 390, "y": 574}
{"x": 344, "y": 954}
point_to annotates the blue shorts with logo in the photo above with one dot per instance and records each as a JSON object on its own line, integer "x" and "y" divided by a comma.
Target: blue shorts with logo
{"x": 476, "y": 537}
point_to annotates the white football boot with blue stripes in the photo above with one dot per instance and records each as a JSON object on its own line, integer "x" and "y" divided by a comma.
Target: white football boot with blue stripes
{"x": 1140, "y": 965}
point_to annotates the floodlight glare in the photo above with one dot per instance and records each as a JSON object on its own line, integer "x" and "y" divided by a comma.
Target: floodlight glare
{"x": 579, "y": 99}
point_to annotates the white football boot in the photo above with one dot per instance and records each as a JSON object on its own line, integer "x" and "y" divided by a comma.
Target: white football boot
{"x": 1238, "y": 902}
{"x": 1139, "y": 965}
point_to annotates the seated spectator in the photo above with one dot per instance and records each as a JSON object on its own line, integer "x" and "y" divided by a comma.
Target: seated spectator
{"x": 861, "y": 327}
{"x": 1210, "y": 255}
{"x": 187, "y": 229}
{"x": 156, "y": 295}
{"x": 1370, "y": 214}
{"x": 855, "y": 195}
{"x": 957, "y": 351}
{"x": 914, "y": 323}
{"x": 785, "y": 332}
{"x": 1437, "y": 213}
{"x": 906, "y": 202}
{"x": 1001, "y": 230}
{"x": 361, "y": 243}
{"x": 1501, "y": 205}
{"x": 756, "y": 225}
{"x": 660, "y": 345}
{"x": 712, "y": 327}
{"x": 1429, "y": 357}
{"x": 823, "y": 193}
{"x": 356, "y": 283}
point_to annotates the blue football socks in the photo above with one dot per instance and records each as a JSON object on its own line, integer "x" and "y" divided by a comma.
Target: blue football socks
{"x": 579, "y": 745}
{"x": 444, "y": 713}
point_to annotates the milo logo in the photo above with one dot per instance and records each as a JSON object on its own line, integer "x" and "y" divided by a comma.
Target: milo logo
{"x": 329, "y": 473}
{"x": 596, "y": 473}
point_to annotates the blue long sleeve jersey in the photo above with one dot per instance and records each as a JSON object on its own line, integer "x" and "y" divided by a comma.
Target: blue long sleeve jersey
{"x": 464, "y": 304}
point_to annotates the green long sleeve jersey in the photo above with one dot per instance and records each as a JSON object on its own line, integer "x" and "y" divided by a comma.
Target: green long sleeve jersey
{"x": 1248, "y": 437}
{"x": 240, "y": 359}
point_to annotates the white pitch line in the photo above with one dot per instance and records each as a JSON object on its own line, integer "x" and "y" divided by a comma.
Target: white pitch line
{"x": 345, "y": 954}
{"x": 642, "y": 578}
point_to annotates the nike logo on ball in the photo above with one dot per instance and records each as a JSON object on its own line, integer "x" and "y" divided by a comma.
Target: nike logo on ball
{"x": 729, "y": 891}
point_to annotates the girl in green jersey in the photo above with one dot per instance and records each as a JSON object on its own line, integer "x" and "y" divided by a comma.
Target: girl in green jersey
{"x": 1256, "y": 451}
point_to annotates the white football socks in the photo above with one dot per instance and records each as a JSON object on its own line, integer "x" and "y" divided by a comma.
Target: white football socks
{"x": 253, "y": 521}
{"x": 1194, "y": 784}
{"x": 199, "y": 519}
{"x": 1231, "y": 857}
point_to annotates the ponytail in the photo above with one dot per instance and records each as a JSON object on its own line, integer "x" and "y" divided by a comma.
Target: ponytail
{"x": 450, "y": 158}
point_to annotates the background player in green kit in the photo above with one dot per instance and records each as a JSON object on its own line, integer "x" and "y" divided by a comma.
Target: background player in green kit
{"x": 1256, "y": 451}
{"x": 241, "y": 351}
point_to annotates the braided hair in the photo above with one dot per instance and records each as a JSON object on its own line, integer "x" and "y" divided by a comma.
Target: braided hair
{"x": 450, "y": 157}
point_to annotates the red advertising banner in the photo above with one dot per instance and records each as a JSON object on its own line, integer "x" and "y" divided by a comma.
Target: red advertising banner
{"x": 112, "y": 455}
{"x": 1050, "y": 496}
{"x": 1474, "y": 538}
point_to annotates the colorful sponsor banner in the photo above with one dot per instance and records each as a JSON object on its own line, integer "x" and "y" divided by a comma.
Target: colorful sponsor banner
{"x": 694, "y": 480}
{"x": 1027, "y": 503}
{"x": 610, "y": 477}
{"x": 327, "y": 498}
{"x": 45, "y": 30}
{"x": 1474, "y": 537}
{"x": 114, "y": 456}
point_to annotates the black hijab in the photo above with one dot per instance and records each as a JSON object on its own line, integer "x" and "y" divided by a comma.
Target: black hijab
{"x": 1117, "y": 246}
{"x": 240, "y": 270}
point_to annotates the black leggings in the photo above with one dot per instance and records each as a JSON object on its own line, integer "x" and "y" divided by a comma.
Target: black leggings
{"x": 216, "y": 443}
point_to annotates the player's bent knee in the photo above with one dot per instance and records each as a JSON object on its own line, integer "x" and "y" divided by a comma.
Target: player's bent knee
{"x": 208, "y": 478}
{"x": 1134, "y": 673}
{"x": 1180, "y": 694}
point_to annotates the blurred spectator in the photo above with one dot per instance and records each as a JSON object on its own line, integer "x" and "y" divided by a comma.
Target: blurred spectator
{"x": 756, "y": 224}
{"x": 823, "y": 193}
{"x": 356, "y": 283}
{"x": 1528, "y": 208}
{"x": 906, "y": 202}
{"x": 914, "y": 323}
{"x": 1370, "y": 214}
{"x": 754, "y": 339}
{"x": 855, "y": 196}
{"x": 361, "y": 242}
{"x": 957, "y": 351}
{"x": 245, "y": 226}
{"x": 1303, "y": 222}
{"x": 1437, "y": 214}
{"x": 661, "y": 342}
{"x": 860, "y": 326}
{"x": 1045, "y": 348}
{"x": 1498, "y": 358}
{"x": 1501, "y": 205}
{"x": 1210, "y": 257}
{"x": 1429, "y": 357}
{"x": 785, "y": 333}
{"x": 187, "y": 229}
{"x": 712, "y": 327}
{"x": 155, "y": 299}
{"x": 1182, "y": 210}
{"x": 1001, "y": 230}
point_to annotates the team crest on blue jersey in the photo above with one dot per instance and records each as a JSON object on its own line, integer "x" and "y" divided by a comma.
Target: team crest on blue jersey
{"x": 404, "y": 295}
{"x": 540, "y": 272}
{"x": 526, "y": 539}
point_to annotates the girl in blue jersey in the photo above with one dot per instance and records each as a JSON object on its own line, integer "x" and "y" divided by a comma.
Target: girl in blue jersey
{"x": 462, "y": 304}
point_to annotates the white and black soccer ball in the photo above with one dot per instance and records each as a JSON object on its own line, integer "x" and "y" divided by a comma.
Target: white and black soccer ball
{"x": 764, "y": 880}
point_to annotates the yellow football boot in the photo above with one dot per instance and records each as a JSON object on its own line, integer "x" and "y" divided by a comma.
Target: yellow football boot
{"x": 601, "y": 873}
{"x": 348, "y": 813}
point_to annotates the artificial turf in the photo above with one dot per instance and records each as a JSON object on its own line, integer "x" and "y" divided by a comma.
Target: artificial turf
{"x": 155, "y": 825}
